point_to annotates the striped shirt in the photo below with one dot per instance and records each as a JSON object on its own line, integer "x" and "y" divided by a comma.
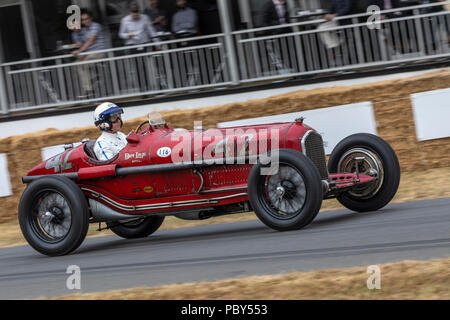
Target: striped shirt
{"x": 95, "y": 29}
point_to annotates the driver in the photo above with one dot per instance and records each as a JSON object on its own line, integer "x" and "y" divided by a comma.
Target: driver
{"x": 107, "y": 117}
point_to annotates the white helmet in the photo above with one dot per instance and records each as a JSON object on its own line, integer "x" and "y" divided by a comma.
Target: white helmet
{"x": 102, "y": 115}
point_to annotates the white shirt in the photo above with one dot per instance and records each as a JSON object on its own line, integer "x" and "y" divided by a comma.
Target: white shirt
{"x": 109, "y": 144}
{"x": 142, "y": 28}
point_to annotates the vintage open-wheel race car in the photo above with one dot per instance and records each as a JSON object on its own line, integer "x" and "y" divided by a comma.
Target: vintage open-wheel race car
{"x": 279, "y": 171}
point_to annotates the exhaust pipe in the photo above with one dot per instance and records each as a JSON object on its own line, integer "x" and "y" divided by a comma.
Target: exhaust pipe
{"x": 102, "y": 213}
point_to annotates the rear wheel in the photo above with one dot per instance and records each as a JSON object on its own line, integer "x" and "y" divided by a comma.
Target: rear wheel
{"x": 138, "y": 228}
{"x": 53, "y": 215}
{"x": 375, "y": 158}
{"x": 290, "y": 198}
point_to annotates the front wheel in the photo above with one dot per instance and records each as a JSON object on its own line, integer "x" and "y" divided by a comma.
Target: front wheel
{"x": 290, "y": 198}
{"x": 377, "y": 159}
{"x": 53, "y": 215}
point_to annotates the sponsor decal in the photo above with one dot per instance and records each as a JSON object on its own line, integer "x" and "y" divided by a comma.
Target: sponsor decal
{"x": 148, "y": 189}
{"x": 164, "y": 152}
{"x": 137, "y": 155}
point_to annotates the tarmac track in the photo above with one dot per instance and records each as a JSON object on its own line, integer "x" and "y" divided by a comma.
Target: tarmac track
{"x": 337, "y": 239}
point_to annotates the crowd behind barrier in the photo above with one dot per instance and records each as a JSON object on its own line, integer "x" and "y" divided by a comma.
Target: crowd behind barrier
{"x": 161, "y": 62}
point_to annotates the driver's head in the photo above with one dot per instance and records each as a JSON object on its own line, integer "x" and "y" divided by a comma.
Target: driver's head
{"x": 107, "y": 117}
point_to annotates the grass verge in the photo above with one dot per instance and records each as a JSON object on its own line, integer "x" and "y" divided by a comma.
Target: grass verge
{"x": 424, "y": 185}
{"x": 401, "y": 280}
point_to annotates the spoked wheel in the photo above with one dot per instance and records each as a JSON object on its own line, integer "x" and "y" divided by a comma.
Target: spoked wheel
{"x": 54, "y": 219}
{"x": 136, "y": 228}
{"x": 290, "y": 198}
{"x": 53, "y": 215}
{"x": 372, "y": 156}
{"x": 286, "y": 192}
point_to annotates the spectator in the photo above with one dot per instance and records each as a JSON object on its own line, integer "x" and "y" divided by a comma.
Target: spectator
{"x": 267, "y": 13}
{"x": 137, "y": 28}
{"x": 264, "y": 13}
{"x": 158, "y": 17}
{"x": 281, "y": 8}
{"x": 345, "y": 38}
{"x": 185, "y": 20}
{"x": 89, "y": 38}
{"x": 434, "y": 8}
{"x": 387, "y": 5}
{"x": 340, "y": 8}
{"x": 208, "y": 17}
{"x": 436, "y": 20}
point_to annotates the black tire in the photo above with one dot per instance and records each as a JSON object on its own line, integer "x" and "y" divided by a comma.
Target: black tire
{"x": 379, "y": 193}
{"x": 137, "y": 229}
{"x": 68, "y": 213}
{"x": 300, "y": 181}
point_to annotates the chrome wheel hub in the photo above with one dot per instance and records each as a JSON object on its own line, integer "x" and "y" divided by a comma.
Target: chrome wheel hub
{"x": 366, "y": 162}
{"x": 286, "y": 191}
{"x": 280, "y": 191}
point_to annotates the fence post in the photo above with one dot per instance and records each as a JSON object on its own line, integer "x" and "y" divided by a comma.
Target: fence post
{"x": 229, "y": 41}
{"x": 3, "y": 100}
{"x": 359, "y": 42}
{"x": 114, "y": 74}
{"x": 61, "y": 82}
{"x": 419, "y": 32}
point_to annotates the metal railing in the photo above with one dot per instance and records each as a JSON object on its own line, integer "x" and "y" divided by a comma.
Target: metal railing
{"x": 269, "y": 53}
{"x": 300, "y": 49}
{"x": 169, "y": 66}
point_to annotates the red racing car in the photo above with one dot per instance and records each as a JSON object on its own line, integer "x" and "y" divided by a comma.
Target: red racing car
{"x": 279, "y": 171}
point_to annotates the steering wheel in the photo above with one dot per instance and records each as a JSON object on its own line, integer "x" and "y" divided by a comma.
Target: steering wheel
{"x": 140, "y": 126}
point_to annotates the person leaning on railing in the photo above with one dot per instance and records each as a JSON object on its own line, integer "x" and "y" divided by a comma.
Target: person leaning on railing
{"x": 89, "y": 38}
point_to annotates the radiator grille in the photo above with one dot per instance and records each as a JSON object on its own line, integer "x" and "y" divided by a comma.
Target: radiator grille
{"x": 312, "y": 146}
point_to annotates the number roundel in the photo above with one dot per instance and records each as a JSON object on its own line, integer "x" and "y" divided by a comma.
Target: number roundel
{"x": 164, "y": 152}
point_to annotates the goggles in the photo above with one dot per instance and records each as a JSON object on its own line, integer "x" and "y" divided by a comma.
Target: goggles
{"x": 115, "y": 117}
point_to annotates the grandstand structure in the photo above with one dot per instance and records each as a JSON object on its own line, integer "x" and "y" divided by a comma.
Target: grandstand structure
{"x": 34, "y": 79}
